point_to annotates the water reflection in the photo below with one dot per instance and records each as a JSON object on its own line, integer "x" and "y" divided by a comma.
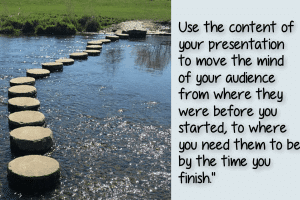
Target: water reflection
{"x": 153, "y": 57}
{"x": 114, "y": 55}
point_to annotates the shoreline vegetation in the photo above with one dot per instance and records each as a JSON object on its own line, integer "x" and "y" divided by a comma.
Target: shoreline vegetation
{"x": 70, "y": 17}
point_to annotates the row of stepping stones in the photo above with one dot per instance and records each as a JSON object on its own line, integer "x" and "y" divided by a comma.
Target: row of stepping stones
{"x": 28, "y": 137}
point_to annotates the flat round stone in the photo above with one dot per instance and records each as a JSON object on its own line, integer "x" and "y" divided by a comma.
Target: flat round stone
{"x": 26, "y": 118}
{"x": 93, "y": 47}
{"x": 94, "y": 42}
{"x": 79, "y": 55}
{"x": 93, "y": 52}
{"x": 22, "y": 91}
{"x": 123, "y": 35}
{"x": 105, "y": 40}
{"x": 66, "y": 61}
{"x": 31, "y": 140}
{"x": 22, "y": 81}
{"x": 23, "y": 103}
{"x": 37, "y": 73}
{"x": 112, "y": 37}
{"x": 33, "y": 173}
{"x": 53, "y": 66}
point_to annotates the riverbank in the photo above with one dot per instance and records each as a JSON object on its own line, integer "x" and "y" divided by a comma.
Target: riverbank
{"x": 70, "y": 17}
{"x": 85, "y": 25}
{"x": 152, "y": 27}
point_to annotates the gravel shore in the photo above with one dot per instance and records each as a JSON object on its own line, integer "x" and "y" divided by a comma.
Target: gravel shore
{"x": 150, "y": 26}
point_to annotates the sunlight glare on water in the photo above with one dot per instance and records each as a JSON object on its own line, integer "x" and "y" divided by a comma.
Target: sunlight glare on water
{"x": 110, "y": 115}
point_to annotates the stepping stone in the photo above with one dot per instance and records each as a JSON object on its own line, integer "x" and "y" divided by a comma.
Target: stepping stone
{"x": 22, "y": 91}
{"x": 136, "y": 33}
{"x": 123, "y": 35}
{"x": 31, "y": 140}
{"x": 94, "y": 42}
{"x": 33, "y": 173}
{"x": 26, "y": 118}
{"x": 53, "y": 66}
{"x": 79, "y": 55}
{"x": 93, "y": 47}
{"x": 38, "y": 73}
{"x": 23, "y": 103}
{"x": 66, "y": 61}
{"x": 112, "y": 37}
{"x": 22, "y": 81}
{"x": 93, "y": 52}
{"x": 105, "y": 40}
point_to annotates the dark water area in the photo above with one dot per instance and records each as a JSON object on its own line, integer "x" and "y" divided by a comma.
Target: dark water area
{"x": 110, "y": 115}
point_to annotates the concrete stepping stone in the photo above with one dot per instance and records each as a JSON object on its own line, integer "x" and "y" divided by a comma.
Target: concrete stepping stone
{"x": 22, "y": 81}
{"x": 23, "y": 103}
{"x": 93, "y": 47}
{"x": 22, "y": 91}
{"x": 31, "y": 140}
{"x": 93, "y": 52}
{"x": 105, "y": 40}
{"x": 37, "y": 73}
{"x": 33, "y": 173}
{"x": 66, "y": 61}
{"x": 26, "y": 118}
{"x": 53, "y": 66}
{"x": 94, "y": 42}
{"x": 79, "y": 55}
{"x": 123, "y": 35}
{"x": 112, "y": 37}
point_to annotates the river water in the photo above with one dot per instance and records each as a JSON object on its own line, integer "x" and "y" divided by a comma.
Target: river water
{"x": 110, "y": 115}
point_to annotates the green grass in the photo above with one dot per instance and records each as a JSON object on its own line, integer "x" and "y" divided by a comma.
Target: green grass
{"x": 71, "y": 16}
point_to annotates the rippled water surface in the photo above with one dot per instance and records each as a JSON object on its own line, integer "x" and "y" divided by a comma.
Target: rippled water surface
{"x": 110, "y": 115}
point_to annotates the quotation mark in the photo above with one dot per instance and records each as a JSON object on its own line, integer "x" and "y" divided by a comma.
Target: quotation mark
{"x": 213, "y": 173}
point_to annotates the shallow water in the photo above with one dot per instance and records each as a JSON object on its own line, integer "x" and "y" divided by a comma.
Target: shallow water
{"x": 110, "y": 115}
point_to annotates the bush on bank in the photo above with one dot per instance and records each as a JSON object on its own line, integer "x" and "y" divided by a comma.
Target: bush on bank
{"x": 53, "y": 25}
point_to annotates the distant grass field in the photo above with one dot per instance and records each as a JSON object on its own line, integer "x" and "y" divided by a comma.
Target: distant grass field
{"x": 70, "y": 16}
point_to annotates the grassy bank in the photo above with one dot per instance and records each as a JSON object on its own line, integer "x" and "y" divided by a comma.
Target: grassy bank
{"x": 70, "y": 16}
